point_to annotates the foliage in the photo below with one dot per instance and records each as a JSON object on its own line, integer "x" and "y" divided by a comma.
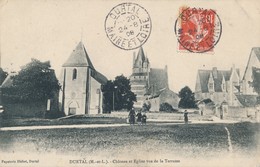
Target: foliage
{"x": 166, "y": 107}
{"x": 118, "y": 94}
{"x": 146, "y": 106}
{"x": 107, "y": 90}
{"x": 187, "y": 98}
{"x": 256, "y": 80}
{"x": 206, "y": 101}
{"x": 35, "y": 82}
{"x": 3, "y": 75}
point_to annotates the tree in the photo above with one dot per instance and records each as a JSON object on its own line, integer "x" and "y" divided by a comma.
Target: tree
{"x": 166, "y": 107}
{"x": 124, "y": 97}
{"x": 118, "y": 94}
{"x": 146, "y": 106}
{"x": 256, "y": 82}
{"x": 187, "y": 98}
{"x": 36, "y": 81}
{"x": 107, "y": 90}
{"x": 3, "y": 75}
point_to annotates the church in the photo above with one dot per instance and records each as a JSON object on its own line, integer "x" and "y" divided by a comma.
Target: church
{"x": 81, "y": 84}
{"x": 150, "y": 84}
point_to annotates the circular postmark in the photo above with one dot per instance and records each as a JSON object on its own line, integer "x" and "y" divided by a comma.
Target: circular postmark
{"x": 128, "y": 26}
{"x": 198, "y": 30}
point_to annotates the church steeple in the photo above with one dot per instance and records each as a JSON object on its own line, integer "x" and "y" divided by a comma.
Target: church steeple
{"x": 79, "y": 58}
{"x": 81, "y": 84}
{"x": 139, "y": 59}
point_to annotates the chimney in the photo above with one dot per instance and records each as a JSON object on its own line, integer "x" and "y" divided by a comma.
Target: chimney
{"x": 215, "y": 72}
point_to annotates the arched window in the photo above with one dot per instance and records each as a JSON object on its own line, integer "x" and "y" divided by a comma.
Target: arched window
{"x": 74, "y": 75}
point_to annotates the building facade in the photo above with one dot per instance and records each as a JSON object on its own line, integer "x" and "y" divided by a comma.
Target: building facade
{"x": 81, "y": 84}
{"x": 147, "y": 82}
{"x": 164, "y": 96}
{"x": 218, "y": 85}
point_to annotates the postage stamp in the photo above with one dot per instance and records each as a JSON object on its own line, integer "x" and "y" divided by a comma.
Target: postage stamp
{"x": 198, "y": 30}
{"x": 128, "y": 26}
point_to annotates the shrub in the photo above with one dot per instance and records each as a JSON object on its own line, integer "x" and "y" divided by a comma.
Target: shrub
{"x": 146, "y": 106}
{"x": 166, "y": 107}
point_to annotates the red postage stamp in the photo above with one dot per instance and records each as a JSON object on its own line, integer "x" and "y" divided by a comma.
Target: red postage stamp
{"x": 197, "y": 30}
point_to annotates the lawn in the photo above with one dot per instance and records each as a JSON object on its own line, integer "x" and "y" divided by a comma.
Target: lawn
{"x": 68, "y": 121}
{"x": 154, "y": 140}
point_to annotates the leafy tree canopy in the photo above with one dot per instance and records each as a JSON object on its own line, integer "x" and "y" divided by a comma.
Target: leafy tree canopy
{"x": 35, "y": 81}
{"x": 256, "y": 79}
{"x": 256, "y": 82}
{"x": 187, "y": 98}
{"x": 118, "y": 94}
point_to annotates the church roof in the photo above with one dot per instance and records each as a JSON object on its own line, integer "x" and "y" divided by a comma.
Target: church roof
{"x": 140, "y": 57}
{"x": 79, "y": 58}
{"x": 99, "y": 77}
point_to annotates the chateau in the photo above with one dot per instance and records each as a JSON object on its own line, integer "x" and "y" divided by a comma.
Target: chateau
{"x": 218, "y": 85}
{"x": 81, "y": 84}
{"x": 149, "y": 83}
{"x": 228, "y": 86}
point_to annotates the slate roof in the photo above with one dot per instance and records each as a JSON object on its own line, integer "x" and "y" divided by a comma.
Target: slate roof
{"x": 204, "y": 79}
{"x": 157, "y": 80}
{"x": 255, "y": 50}
{"x": 159, "y": 92}
{"x": 247, "y": 100}
{"x": 140, "y": 58}
{"x": 99, "y": 77}
{"x": 79, "y": 58}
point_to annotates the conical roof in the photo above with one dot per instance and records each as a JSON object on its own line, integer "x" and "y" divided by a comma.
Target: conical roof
{"x": 78, "y": 58}
{"x": 140, "y": 55}
{"x": 140, "y": 58}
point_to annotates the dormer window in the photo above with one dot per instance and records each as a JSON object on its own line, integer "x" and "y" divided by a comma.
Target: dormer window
{"x": 74, "y": 74}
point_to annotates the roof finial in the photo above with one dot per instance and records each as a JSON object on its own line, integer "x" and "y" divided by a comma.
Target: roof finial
{"x": 81, "y": 34}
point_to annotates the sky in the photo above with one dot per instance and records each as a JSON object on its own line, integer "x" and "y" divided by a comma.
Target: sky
{"x": 51, "y": 29}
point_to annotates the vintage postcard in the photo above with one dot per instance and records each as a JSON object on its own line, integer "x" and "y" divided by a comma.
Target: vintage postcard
{"x": 125, "y": 83}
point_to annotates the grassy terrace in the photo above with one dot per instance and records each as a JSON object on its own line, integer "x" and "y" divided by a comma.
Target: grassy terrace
{"x": 193, "y": 140}
{"x": 68, "y": 121}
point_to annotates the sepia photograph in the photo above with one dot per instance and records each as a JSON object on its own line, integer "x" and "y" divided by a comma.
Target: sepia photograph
{"x": 127, "y": 83}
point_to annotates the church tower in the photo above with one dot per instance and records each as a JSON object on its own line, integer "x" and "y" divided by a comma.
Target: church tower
{"x": 139, "y": 77}
{"x": 81, "y": 84}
